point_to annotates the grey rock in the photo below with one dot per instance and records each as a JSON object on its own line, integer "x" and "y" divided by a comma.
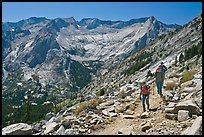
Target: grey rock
{"x": 128, "y": 116}
{"x": 145, "y": 115}
{"x": 51, "y": 127}
{"x": 171, "y": 116}
{"x": 183, "y": 115}
{"x": 108, "y": 103}
{"x": 71, "y": 132}
{"x": 17, "y": 129}
{"x": 195, "y": 128}
{"x": 111, "y": 114}
{"x": 36, "y": 128}
{"x": 49, "y": 116}
{"x": 66, "y": 122}
{"x": 60, "y": 131}
{"x": 146, "y": 127}
{"x": 189, "y": 105}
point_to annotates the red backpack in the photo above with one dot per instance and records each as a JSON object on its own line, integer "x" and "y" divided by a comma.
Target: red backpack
{"x": 145, "y": 89}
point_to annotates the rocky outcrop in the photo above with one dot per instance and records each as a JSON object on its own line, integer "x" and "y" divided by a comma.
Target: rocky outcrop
{"x": 195, "y": 129}
{"x": 17, "y": 129}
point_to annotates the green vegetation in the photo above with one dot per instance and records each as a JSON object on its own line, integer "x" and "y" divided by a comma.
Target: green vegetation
{"x": 188, "y": 75}
{"x": 101, "y": 92}
{"x": 141, "y": 60}
{"x": 193, "y": 51}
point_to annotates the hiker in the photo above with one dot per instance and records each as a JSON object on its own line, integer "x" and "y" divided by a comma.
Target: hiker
{"x": 159, "y": 78}
{"x": 163, "y": 67}
{"x": 145, "y": 91}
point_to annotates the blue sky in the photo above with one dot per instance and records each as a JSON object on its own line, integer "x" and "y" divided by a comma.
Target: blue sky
{"x": 167, "y": 12}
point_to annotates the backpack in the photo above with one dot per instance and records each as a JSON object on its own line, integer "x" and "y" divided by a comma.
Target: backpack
{"x": 163, "y": 68}
{"x": 145, "y": 89}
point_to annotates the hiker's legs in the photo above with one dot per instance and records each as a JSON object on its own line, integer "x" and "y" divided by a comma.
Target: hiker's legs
{"x": 159, "y": 88}
{"x": 143, "y": 102}
{"x": 147, "y": 101}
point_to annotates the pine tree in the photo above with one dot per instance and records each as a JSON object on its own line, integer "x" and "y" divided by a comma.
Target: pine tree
{"x": 181, "y": 58}
{"x": 28, "y": 110}
{"x": 175, "y": 60}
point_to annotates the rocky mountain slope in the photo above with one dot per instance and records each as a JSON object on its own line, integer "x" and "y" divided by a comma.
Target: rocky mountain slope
{"x": 112, "y": 104}
{"x": 38, "y": 44}
{"x": 51, "y": 60}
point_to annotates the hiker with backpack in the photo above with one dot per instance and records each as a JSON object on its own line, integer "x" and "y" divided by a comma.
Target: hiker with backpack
{"x": 144, "y": 91}
{"x": 159, "y": 78}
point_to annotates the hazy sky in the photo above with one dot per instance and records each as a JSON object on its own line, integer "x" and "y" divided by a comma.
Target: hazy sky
{"x": 166, "y": 12}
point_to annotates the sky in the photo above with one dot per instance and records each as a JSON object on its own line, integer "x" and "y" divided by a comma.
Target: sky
{"x": 166, "y": 12}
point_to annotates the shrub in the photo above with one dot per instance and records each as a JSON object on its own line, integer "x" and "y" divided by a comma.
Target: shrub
{"x": 188, "y": 75}
{"x": 101, "y": 92}
{"x": 122, "y": 94}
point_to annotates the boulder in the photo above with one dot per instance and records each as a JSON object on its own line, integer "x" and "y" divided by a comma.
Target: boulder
{"x": 17, "y": 129}
{"x": 146, "y": 127}
{"x": 129, "y": 112}
{"x": 66, "y": 122}
{"x": 169, "y": 95}
{"x": 71, "y": 132}
{"x": 36, "y": 128}
{"x": 189, "y": 105}
{"x": 195, "y": 129}
{"x": 51, "y": 127}
{"x": 128, "y": 116}
{"x": 108, "y": 103}
{"x": 183, "y": 115}
{"x": 145, "y": 115}
{"x": 111, "y": 114}
{"x": 125, "y": 130}
{"x": 105, "y": 112}
{"x": 60, "y": 131}
{"x": 187, "y": 84}
{"x": 171, "y": 116}
{"x": 49, "y": 116}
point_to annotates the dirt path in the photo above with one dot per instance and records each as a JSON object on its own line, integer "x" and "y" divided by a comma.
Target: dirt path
{"x": 128, "y": 124}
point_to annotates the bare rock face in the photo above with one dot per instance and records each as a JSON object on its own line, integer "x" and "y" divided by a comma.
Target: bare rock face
{"x": 17, "y": 129}
{"x": 195, "y": 128}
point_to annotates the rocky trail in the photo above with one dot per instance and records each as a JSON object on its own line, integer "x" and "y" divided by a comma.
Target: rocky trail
{"x": 178, "y": 113}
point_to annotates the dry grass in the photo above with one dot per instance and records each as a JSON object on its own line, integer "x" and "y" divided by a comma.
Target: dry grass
{"x": 87, "y": 104}
{"x": 171, "y": 85}
{"x": 122, "y": 94}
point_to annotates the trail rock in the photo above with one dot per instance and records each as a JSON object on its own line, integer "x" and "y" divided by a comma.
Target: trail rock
{"x": 111, "y": 114}
{"x": 128, "y": 116}
{"x": 17, "y": 129}
{"x": 183, "y": 115}
{"x": 189, "y": 105}
{"x": 49, "y": 116}
{"x": 119, "y": 109}
{"x": 145, "y": 115}
{"x": 105, "y": 112}
{"x": 71, "y": 132}
{"x": 50, "y": 127}
{"x": 187, "y": 84}
{"x": 108, "y": 103}
{"x": 60, "y": 131}
{"x": 171, "y": 116}
{"x": 129, "y": 112}
{"x": 125, "y": 130}
{"x": 195, "y": 129}
{"x": 146, "y": 126}
{"x": 66, "y": 122}
{"x": 36, "y": 128}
